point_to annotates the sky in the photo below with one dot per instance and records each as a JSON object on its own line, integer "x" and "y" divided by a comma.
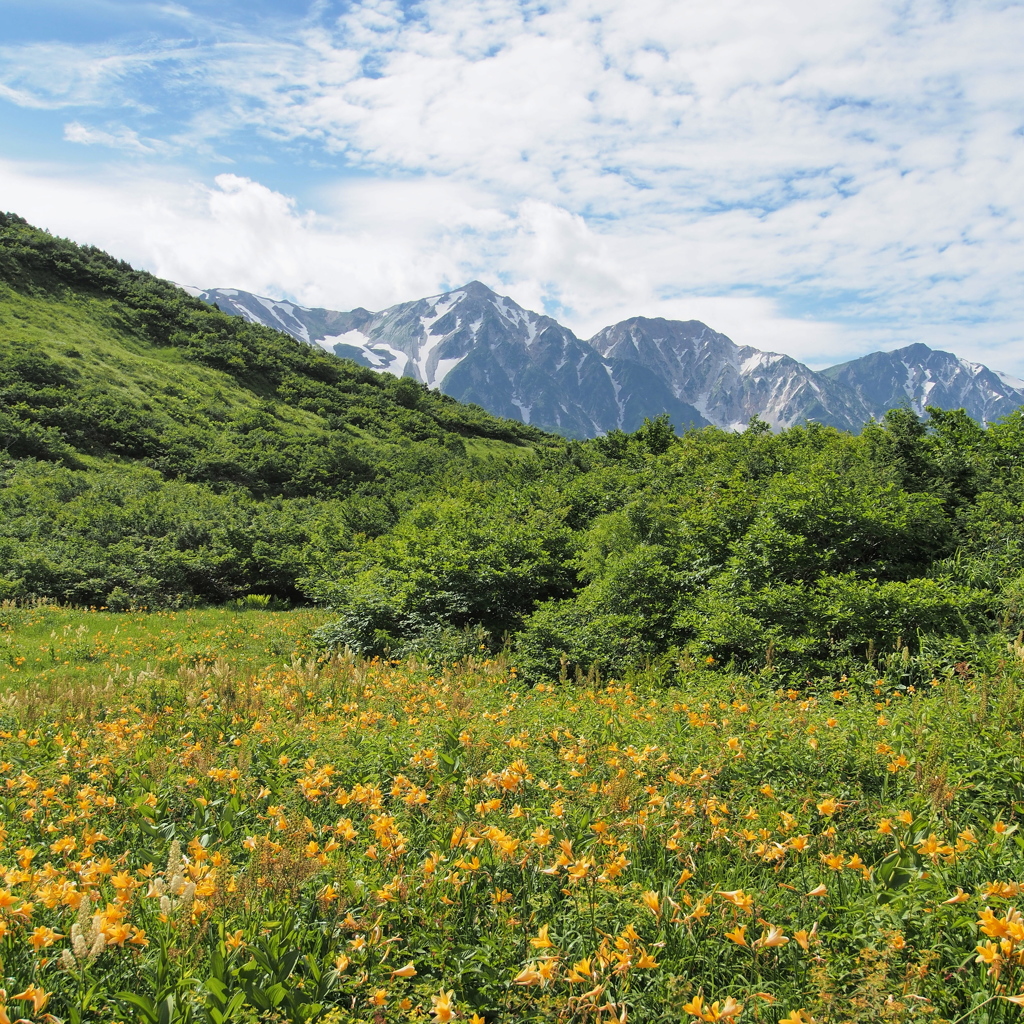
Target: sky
{"x": 823, "y": 180}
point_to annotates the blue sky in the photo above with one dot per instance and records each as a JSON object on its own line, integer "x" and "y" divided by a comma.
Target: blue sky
{"x": 822, "y": 180}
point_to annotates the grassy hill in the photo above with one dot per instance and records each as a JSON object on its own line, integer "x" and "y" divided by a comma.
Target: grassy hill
{"x": 153, "y": 443}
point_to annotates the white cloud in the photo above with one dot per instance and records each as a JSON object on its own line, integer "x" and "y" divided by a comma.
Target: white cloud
{"x": 239, "y": 233}
{"x": 382, "y": 245}
{"x": 55, "y": 76}
{"x": 121, "y": 138}
{"x": 820, "y": 179}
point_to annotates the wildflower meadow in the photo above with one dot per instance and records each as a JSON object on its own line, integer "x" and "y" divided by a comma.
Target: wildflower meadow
{"x": 255, "y": 832}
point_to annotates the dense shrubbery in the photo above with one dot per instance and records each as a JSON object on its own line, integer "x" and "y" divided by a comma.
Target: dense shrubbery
{"x": 477, "y": 560}
{"x": 810, "y": 551}
{"x": 125, "y": 536}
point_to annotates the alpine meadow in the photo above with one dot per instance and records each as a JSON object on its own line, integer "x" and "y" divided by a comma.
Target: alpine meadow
{"x": 327, "y": 698}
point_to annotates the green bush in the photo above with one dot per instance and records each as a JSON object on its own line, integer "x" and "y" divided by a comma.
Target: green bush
{"x": 449, "y": 563}
{"x": 834, "y": 623}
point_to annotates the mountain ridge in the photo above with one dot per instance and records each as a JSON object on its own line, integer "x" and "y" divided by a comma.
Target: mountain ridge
{"x": 482, "y": 347}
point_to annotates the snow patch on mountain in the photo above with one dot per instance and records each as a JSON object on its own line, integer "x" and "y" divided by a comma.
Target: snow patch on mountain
{"x": 441, "y": 305}
{"x": 524, "y": 410}
{"x": 1011, "y": 382}
{"x": 444, "y": 367}
{"x": 354, "y": 338}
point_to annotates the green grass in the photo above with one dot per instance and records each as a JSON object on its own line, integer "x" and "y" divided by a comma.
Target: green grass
{"x": 80, "y": 333}
{"x": 49, "y": 644}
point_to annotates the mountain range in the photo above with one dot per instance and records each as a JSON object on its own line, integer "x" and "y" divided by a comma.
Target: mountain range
{"x": 484, "y": 348}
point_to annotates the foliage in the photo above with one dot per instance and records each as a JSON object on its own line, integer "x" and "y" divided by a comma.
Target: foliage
{"x": 805, "y": 552}
{"x": 451, "y": 563}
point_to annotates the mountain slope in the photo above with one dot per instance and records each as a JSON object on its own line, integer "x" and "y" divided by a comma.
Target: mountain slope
{"x": 481, "y": 347}
{"x": 920, "y": 376}
{"x": 726, "y": 382}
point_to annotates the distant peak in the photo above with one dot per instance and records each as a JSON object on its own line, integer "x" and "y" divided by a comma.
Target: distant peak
{"x": 652, "y": 322}
{"x": 476, "y": 289}
{"x": 917, "y": 348}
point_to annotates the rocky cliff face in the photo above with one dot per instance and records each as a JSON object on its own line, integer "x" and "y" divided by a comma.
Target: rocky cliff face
{"x": 729, "y": 383}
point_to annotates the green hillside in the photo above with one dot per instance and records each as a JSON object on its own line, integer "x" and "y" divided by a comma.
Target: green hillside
{"x": 160, "y": 451}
